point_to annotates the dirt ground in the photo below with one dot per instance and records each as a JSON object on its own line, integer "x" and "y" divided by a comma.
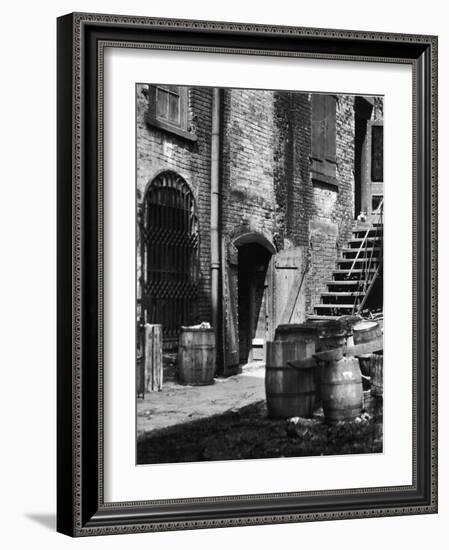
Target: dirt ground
{"x": 248, "y": 433}
{"x": 177, "y": 404}
{"x": 228, "y": 421}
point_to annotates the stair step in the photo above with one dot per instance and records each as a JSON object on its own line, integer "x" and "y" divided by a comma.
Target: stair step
{"x": 356, "y": 274}
{"x": 359, "y": 260}
{"x": 365, "y": 251}
{"x": 338, "y": 294}
{"x": 334, "y": 307}
{"x": 322, "y": 317}
{"x": 348, "y": 283}
{"x": 356, "y": 242}
{"x": 362, "y": 232}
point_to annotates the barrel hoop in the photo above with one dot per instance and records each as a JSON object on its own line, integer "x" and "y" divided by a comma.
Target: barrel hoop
{"x": 282, "y": 367}
{"x": 195, "y": 346}
{"x": 290, "y": 394}
{"x": 341, "y": 383}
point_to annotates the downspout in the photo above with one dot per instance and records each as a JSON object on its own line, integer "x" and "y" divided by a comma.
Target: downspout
{"x": 215, "y": 209}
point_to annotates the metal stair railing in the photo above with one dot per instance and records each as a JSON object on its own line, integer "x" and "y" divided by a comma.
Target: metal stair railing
{"x": 377, "y": 213}
{"x": 368, "y": 286}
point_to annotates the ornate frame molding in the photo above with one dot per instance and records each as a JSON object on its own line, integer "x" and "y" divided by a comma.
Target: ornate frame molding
{"x": 81, "y": 42}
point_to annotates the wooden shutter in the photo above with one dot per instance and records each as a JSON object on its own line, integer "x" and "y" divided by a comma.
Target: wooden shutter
{"x": 377, "y": 153}
{"x": 318, "y": 128}
{"x": 323, "y": 146}
{"x": 330, "y": 152}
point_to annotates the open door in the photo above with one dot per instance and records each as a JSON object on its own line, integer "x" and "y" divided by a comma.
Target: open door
{"x": 287, "y": 288}
{"x": 230, "y": 310}
{"x": 368, "y": 161}
{"x": 374, "y": 191}
{"x": 261, "y": 290}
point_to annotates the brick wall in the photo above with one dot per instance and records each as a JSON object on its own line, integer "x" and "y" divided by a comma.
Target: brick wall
{"x": 266, "y": 183}
{"x": 248, "y": 195}
{"x": 321, "y": 215}
{"x": 159, "y": 150}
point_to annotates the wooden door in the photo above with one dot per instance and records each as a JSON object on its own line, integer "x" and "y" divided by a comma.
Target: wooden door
{"x": 230, "y": 310}
{"x": 373, "y": 184}
{"x": 287, "y": 299}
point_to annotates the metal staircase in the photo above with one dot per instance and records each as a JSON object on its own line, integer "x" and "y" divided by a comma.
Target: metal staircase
{"x": 356, "y": 285}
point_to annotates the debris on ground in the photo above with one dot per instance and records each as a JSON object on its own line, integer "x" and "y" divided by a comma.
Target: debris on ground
{"x": 248, "y": 433}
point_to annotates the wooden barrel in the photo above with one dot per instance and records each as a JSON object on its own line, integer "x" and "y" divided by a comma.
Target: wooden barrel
{"x": 341, "y": 389}
{"x": 366, "y": 331}
{"x": 196, "y": 356}
{"x": 365, "y": 369}
{"x": 377, "y": 363}
{"x": 304, "y": 332}
{"x": 289, "y": 391}
{"x": 347, "y": 322}
{"x": 332, "y": 334}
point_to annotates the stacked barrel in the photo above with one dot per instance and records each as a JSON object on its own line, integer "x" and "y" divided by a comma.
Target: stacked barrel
{"x": 335, "y": 383}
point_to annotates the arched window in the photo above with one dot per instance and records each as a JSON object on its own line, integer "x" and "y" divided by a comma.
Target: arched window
{"x": 169, "y": 254}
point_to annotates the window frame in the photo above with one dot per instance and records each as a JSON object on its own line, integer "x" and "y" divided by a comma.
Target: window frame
{"x": 153, "y": 119}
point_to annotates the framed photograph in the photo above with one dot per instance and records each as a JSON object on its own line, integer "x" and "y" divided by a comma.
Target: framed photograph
{"x": 247, "y": 274}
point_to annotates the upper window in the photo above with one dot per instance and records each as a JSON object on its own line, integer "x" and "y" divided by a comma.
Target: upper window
{"x": 324, "y": 147}
{"x": 168, "y": 109}
{"x": 377, "y": 152}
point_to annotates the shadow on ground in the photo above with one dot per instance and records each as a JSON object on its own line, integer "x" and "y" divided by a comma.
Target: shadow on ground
{"x": 46, "y": 520}
{"x": 248, "y": 433}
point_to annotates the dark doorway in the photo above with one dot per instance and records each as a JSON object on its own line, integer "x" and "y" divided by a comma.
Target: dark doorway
{"x": 253, "y": 262}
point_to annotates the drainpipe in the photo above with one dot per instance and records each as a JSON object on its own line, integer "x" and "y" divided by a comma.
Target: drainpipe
{"x": 215, "y": 207}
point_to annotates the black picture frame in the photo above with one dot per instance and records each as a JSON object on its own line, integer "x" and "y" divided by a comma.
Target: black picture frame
{"x": 81, "y": 509}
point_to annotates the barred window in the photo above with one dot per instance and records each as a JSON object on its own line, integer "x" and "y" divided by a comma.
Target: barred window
{"x": 169, "y": 253}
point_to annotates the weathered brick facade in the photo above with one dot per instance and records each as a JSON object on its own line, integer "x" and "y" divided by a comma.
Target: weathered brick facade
{"x": 267, "y": 188}
{"x": 158, "y": 150}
